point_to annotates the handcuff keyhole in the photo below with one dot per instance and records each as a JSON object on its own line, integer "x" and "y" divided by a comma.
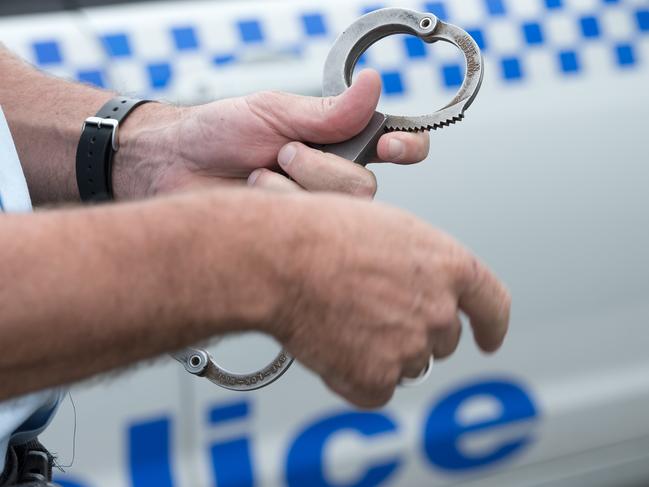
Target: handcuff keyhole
{"x": 425, "y": 23}
{"x": 195, "y": 361}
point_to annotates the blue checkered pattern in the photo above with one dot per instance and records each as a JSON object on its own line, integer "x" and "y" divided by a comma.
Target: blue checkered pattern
{"x": 314, "y": 24}
{"x": 117, "y": 44}
{"x": 185, "y": 38}
{"x": 498, "y": 20}
{"x": 533, "y": 35}
{"x": 47, "y": 52}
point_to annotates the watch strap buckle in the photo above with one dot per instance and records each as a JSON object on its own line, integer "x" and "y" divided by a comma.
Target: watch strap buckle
{"x": 105, "y": 122}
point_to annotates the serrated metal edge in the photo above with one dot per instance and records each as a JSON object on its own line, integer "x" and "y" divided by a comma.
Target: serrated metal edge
{"x": 425, "y": 128}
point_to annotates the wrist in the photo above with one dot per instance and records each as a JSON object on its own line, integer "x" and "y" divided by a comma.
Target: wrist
{"x": 148, "y": 143}
{"x": 257, "y": 268}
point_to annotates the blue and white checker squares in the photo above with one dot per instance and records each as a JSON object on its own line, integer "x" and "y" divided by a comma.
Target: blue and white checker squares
{"x": 508, "y": 32}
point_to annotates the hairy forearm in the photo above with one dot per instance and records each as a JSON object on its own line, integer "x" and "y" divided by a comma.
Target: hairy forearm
{"x": 45, "y": 115}
{"x": 88, "y": 290}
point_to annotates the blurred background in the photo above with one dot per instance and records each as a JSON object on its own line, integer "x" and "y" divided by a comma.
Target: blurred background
{"x": 546, "y": 179}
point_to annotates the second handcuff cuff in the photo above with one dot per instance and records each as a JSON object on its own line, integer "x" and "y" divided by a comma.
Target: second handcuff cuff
{"x": 338, "y": 71}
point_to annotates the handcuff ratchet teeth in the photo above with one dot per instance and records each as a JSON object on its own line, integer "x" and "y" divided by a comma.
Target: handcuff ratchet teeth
{"x": 371, "y": 28}
{"x": 338, "y": 71}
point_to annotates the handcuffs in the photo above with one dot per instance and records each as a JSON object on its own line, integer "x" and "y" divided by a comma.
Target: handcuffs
{"x": 338, "y": 71}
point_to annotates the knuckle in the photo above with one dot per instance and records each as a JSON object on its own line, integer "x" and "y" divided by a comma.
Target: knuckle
{"x": 416, "y": 346}
{"x": 442, "y": 352}
{"x": 378, "y": 382}
{"x": 264, "y": 100}
{"x": 372, "y": 401}
{"x": 388, "y": 382}
{"x": 327, "y": 104}
{"x": 383, "y": 399}
{"x": 273, "y": 96}
{"x": 366, "y": 186}
{"x": 476, "y": 272}
{"x": 373, "y": 393}
{"x": 442, "y": 315}
{"x": 331, "y": 117}
{"x": 466, "y": 268}
{"x": 266, "y": 106}
{"x": 446, "y": 344}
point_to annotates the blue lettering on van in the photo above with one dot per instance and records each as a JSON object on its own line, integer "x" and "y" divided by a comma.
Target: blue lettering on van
{"x": 231, "y": 458}
{"x": 443, "y": 430}
{"x": 304, "y": 463}
{"x": 149, "y": 453}
{"x": 232, "y": 463}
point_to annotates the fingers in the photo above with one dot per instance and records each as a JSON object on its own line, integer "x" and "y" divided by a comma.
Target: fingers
{"x": 485, "y": 301}
{"x": 266, "y": 179}
{"x": 403, "y": 147}
{"x": 362, "y": 394}
{"x": 445, "y": 341}
{"x": 322, "y": 120}
{"x": 415, "y": 368}
{"x": 316, "y": 171}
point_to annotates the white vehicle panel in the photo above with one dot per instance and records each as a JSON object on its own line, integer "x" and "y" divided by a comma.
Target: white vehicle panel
{"x": 546, "y": 180}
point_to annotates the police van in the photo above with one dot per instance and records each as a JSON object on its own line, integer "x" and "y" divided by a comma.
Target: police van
{"x": 547, "y": 179}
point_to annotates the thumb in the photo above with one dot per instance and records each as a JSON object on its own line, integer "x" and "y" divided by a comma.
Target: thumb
{"x": 330, "y": 119}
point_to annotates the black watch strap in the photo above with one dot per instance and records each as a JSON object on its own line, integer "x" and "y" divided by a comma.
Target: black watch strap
{"x": 97, "y": 146}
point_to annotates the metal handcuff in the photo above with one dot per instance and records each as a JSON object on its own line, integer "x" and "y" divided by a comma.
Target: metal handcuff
{"x": 338, "y": 71}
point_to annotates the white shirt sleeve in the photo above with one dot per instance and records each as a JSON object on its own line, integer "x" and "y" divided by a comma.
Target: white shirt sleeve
{"x": 24, "y": 418}
{"x": 13, "y": 186}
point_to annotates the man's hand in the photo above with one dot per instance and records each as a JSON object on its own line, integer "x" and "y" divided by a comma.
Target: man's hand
{"x": 167, "y": 148}
{"x": 359, "y": 292}
{"x": 377, "y": 292}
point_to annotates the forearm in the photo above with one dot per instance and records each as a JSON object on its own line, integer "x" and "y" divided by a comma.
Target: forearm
{"x": 86, "y": 291}
{"x": 46, "y": 114}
